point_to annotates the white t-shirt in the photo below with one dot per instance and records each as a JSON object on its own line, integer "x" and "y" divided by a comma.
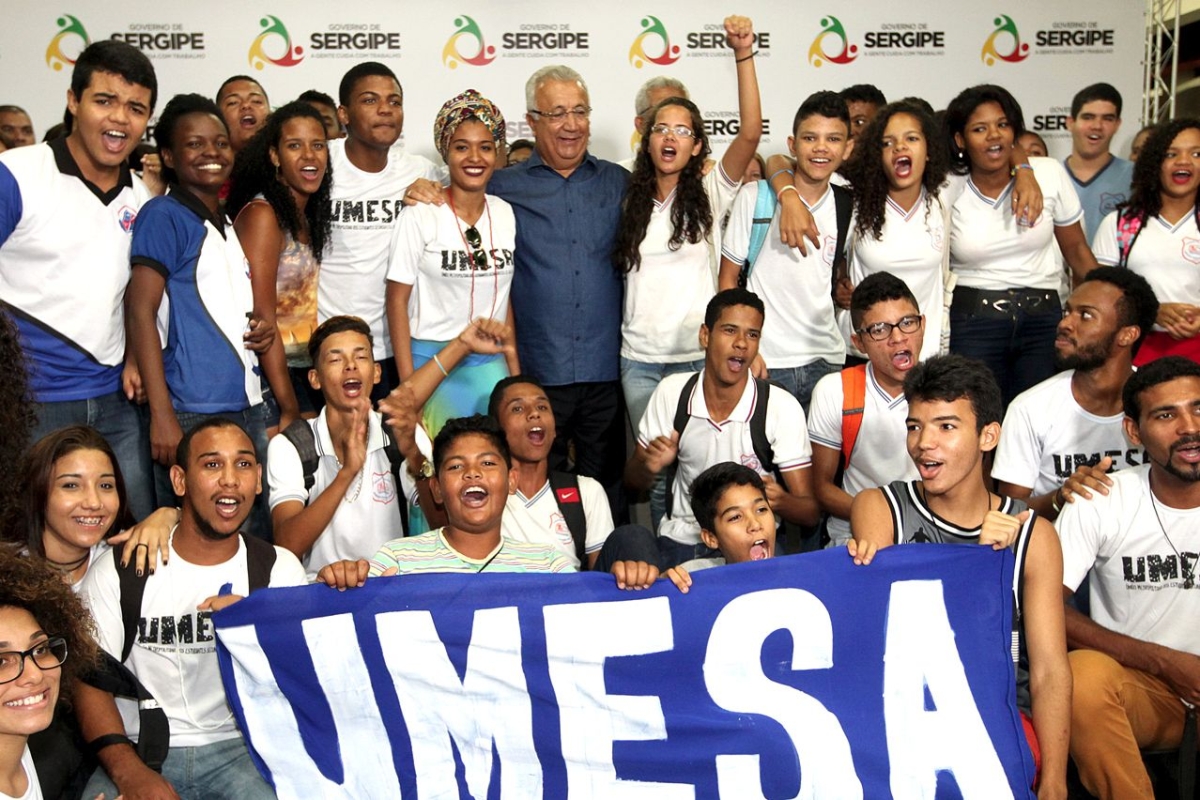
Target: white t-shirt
{"x": 1047, "y": 435}
{"x": 880, "y": 454}
{"x": 34, "y": 790}
{"x": 799, "y": 325}
{"x": 537, "y": 519}
{"x": 1167, "y": 256}
{"x": 911, "y": 249}
{"x": 705, "y": 442}
{"x": 1136, "y": 578}
{"x": 666, "y": 296}
{"x": 989, "y": 250}
{"x": 361, "y": 525}
{"x": 429, "y": 253}
{"x": 365, "y": 206}
{"x": 175, "y": 656}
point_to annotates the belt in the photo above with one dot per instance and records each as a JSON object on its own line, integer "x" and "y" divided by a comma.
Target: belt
{"x": 1004, "y": 302}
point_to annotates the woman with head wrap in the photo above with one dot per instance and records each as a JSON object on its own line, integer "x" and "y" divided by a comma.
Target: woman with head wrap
{"x": 453, "y": 263}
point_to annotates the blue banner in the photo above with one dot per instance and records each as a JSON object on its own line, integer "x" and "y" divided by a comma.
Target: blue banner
{"x": 802, "y": 676}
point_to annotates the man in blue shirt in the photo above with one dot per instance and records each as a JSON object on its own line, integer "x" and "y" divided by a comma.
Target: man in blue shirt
{"x": 1101, "y": 179}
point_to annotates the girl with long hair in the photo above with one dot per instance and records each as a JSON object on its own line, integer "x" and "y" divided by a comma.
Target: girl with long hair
{"x": 1157, "y": 235}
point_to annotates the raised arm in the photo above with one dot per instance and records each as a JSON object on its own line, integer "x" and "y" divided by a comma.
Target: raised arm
{"x": 739, "y": 33}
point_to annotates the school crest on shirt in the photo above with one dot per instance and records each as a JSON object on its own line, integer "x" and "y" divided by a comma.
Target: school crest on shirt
{"x": 751, "y": 460}
{"x": 561, "y": 532}
{"x": 937, "y": 235}
{"x": 1191, "y": 250}
{"x": 1109, "y": 202}
{"x": 383, "y": 487}
{"x": 125, "y": 217}
{"x": 829, "y": 251}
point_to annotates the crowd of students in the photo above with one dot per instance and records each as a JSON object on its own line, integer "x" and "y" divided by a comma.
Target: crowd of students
{"x": 912, "y": 327}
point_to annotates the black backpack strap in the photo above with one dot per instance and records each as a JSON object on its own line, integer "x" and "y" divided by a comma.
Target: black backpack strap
{"x": 565, "y": 486}
{"x": 300, "y": 434}
{"x": 681, "y": 420}
{"x": 843, "y": 202}
{"x": 260, "y": 560}
{"x": 396, "y": 462}
{"x": 131, "y": 587}
{"x": 758, "y": 429}
{"x": 154, "y": 731}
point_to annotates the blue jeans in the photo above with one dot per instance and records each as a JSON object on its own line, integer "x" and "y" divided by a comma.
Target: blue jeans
{"x": 221, "y": 771}
{"x": 638, "y": 381}
{"x": 118, "y": 420}
{"x": 801, "y": 380}
{"x": 253, "y": 419}
{"x": 1018, "y": 348}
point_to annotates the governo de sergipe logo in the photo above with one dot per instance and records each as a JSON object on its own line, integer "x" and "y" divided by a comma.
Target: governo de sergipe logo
{"x": 273, "y": 33}
{"x": 832, "y": 44}
{"x": 71, "y": 37}
{"x": 1007, "y": 36}
{"x": 467, "y": 38}
{"x": 653, "y": 38}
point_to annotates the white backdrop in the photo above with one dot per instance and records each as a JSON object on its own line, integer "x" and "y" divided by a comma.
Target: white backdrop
{"x": 1042, "y": 50}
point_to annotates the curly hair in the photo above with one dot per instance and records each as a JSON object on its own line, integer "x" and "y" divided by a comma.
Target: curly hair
{"x": 27, "y": 584}
{"x": 254, "y": 174}
{"x": 37, "y": 480}
{"x": 1145, "y": 196}
{"x": 963, "y": 106}
{"x": 691, "y": 213}
{"x": 17, "y": 418}
{"x": 870, "y": 179}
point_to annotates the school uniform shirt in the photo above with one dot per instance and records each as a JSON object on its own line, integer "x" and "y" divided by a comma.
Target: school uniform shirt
{"x": 799, "y": 326}
{"x": 1137, "y": 580}
{"x": 1047, "y": 435}
{"x": 537, "y": 520}
{"x": 880, "y": 454}
{"x": 204, "y": 310}
{"x": 175, "y": 655}
{"x": 910, "y": 248}
{"x": 666, "y": 296}
{"x": 1167, "y": 255}
{"x": 64, "y": 266}
{"x": 364, "y": 207}
{"x": 1101, "y": 195}
{"x": 367, "y": 516}
{"x": 430, "y": 552}
{"x": 705, "y": 442}
{"x": 990, "y": 251}
{"x": 429, "y": 252}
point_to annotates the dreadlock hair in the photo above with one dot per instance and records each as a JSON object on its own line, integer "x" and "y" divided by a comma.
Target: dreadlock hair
{"x": 691, "y": 213}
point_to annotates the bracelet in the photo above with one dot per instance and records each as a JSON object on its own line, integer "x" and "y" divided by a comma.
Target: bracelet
{"x": 438, "y": 361}
{"x": 1013, "y": 172}
{"x": 108, "y": 740}
{"x": 745, "y": 58}
{"x": 1056, "y": 502}
{"x": 779, "y": 172}
{"x": 779, "y": 194}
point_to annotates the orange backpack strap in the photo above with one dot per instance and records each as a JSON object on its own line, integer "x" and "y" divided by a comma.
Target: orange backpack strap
{"x": 854, "y": 396}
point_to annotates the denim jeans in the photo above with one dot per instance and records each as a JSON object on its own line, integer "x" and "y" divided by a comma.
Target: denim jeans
{"x": 1019, "y": 348}
{"x": 638, "y": 381}
{"x": 221, "y": 771}
{"x": 801, "y": 380}
{"x": 118, "y": 420}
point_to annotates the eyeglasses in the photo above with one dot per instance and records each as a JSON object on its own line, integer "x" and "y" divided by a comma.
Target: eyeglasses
{"x": 49, "y": 654}
{"x": 882, "y": 330}
{"x": 579, "y": 114}
{"x": 680, "y": 131}
{"x": 475, "y": 242}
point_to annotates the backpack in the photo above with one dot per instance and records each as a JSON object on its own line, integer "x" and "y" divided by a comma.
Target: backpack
{"x": 764, "y": 212}
{"x": 854, "y": 400}
{"x": 1129, "y": 227}
{"x": 301, "y": 435}
{"x": 758, "y": 429}
{"x": 565, "y": 486}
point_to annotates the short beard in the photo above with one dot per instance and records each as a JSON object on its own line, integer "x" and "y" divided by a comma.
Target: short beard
{"x": 1192, "y": 474}
{"x": 1085, "y": 359}
{"x": 206, "y": 529}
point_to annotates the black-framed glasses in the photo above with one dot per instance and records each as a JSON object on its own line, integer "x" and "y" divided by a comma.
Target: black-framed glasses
{"x": 475, "y": 242}
{"x": 680, "y": 131}
{"x": 49, "y": 654}
{"x": 882, "y": 330}
{"x": 579, "y": 114}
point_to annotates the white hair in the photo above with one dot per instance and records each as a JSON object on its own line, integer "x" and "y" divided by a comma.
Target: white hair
{"x": 554, "y": 72}
{"x": 641, "y": 103}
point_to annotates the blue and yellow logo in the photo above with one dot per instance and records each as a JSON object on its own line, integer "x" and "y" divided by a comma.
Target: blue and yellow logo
{"x": 467, "y": 29}
{"x": 653, "y": 30}
{"x": 1005, "y": 34}
{"x": 831, "y": 44}
{"x": 71, "y": 33}
{"x": 274, "y": 29}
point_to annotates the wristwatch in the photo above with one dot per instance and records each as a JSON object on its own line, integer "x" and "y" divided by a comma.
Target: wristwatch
{"x": 423, "y": 472}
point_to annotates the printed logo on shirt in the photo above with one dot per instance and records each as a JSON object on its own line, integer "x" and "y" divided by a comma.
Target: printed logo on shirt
{"x": 1109, "y": 202}
{"x": 751, "y": 460}
{"x": 1004, "y": 43}
{"x": 653, "y": 39}
{"x": 567, "y": 494}
{"x": 829, "y": 251}
{"x": 125, "y": 217}
{"x": 459, "y": 262}
{"x": 66, "y": 45}
{"x": 378, "y": 213}
{"x": 1065, "y": 464}
{"x": 274, "y": 36}
{"x": 561, "y": 532}
{"x": 383, "y": 487}
{"x": 937, "y": 235}
{"x": 832, "y": 44}
{"x": 1159, "y": 571}
{"x": 1191, "y": 250}
{"x": 170, "y": 634}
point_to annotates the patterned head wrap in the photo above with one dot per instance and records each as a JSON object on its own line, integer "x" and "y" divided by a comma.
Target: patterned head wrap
{"x": 467, "y": 106}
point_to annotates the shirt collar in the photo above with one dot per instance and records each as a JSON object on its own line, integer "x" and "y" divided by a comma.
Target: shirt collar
{"x": 67, "y": 166}
{"x": 194, "y": 204}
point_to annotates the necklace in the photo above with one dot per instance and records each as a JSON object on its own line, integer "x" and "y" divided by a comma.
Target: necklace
{"x": 68, "y": 566}
{"x": 1188, "y": 573}
{"x": 475, "y": 255}
{"x": 357, "y": 485}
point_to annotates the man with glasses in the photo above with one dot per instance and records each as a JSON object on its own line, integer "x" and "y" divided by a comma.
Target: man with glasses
{"x": 651, "y": 93}
{"x": 857, "y": 418}
{"x": 1046, "y": 458}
